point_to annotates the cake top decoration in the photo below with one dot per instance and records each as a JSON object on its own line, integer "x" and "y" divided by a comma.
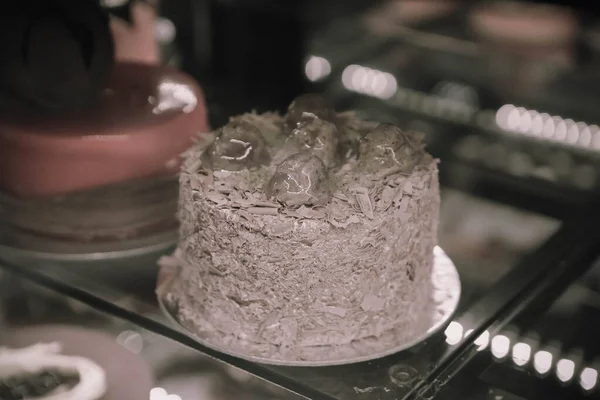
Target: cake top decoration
{"x": 300, "y": 179}
{"x": 319, "y": 136}
{"x": 302, "y": 158}
{"x": 390, "y": 150}
{"x": 238, "y": 145}
{"x": 308, "y": 103}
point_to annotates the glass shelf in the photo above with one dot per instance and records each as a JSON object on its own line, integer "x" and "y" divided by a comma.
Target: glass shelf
{"x": 171, "y": 368}
{"x": 544, "y": 353}
{"x": 512, "y": 263}
{"x": 496, "y": 266}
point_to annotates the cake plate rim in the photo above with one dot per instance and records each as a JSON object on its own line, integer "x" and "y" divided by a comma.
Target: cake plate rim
{"x": 445, "y": 277}
{"x": 125, "y": 250}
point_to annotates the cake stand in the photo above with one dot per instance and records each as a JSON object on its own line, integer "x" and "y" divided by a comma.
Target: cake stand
{"x": 105, "y": 258}
{"x": 446, "y": 296}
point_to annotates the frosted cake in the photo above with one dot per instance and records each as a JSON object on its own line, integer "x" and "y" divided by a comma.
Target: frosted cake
{"x": 305, "y": 235}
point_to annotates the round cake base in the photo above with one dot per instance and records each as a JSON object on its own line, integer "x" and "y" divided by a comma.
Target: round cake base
{"x": 113, "y": 261}
{"x": 446, "y": 295}
{"x": 122, "y": 228}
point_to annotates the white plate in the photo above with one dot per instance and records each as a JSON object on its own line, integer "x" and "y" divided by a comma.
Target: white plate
{"x": 127, "y": 375}
{"x": 446, "y": 283}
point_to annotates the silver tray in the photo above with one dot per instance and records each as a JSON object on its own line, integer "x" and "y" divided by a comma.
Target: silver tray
{"x": 30, "y": 230}
{"x": 447, "y": 289}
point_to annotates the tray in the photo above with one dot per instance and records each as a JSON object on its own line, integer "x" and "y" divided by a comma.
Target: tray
{"x": 107, "y": 260}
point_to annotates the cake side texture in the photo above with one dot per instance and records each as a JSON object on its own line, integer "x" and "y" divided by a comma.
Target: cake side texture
{"x": 282, "y": 279}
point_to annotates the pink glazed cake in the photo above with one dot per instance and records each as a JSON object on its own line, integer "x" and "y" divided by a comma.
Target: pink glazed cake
{"x": 108, "y": 172}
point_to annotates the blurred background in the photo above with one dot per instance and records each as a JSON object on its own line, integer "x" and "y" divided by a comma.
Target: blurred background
{"x": 507, "y": 93}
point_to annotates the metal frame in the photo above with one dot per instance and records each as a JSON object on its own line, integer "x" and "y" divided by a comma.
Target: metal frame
{"x": 524, "y": 292}
{"x": 531, "y": 194}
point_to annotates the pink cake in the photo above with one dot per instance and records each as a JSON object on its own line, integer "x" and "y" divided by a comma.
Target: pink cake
{"x": 108, "y": 172}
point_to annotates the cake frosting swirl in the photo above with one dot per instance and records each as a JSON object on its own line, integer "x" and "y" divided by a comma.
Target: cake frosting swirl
{"x": 305, "y": 231}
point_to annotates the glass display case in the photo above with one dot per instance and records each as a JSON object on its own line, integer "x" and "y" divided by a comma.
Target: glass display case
{"x": 140, "y": 363}
{"x": 519, "y": 162}
{"x": 547, "y": 351}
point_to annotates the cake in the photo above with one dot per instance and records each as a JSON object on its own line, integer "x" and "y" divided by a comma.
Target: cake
{"x": 105, "y": 173}
{"x": 306, "y": 234}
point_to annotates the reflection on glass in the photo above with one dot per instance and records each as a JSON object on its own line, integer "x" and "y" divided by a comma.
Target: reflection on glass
{"x": 533, "y": 123}
{"x": 369, "y": 81}
{"x": 521, "y": 354}
{"x": 164, "y": 30}
{"x": 483, "y": 341}
{"x": 542, "y": 362}
{"x": 132, "y": 341}
{"x": 317, "y": 68}
{"x": 565, "y": 369}
{"x": 588, "y": 378}
{"x": 454, "y": 333}
{"x": 476, "y": 232}
{"x": 113, "y": 3}
{"x": 500, "y": 346}
{"x": 457, "y": 91}
{"x": 174, "y": 96}
{"x": 161, "y": 394}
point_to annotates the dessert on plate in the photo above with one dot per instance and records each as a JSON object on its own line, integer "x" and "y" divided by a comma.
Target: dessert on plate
{"x": 39, "y": 371}
{"x": 304, "y": 234}
{"x": 54, "y": 362}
